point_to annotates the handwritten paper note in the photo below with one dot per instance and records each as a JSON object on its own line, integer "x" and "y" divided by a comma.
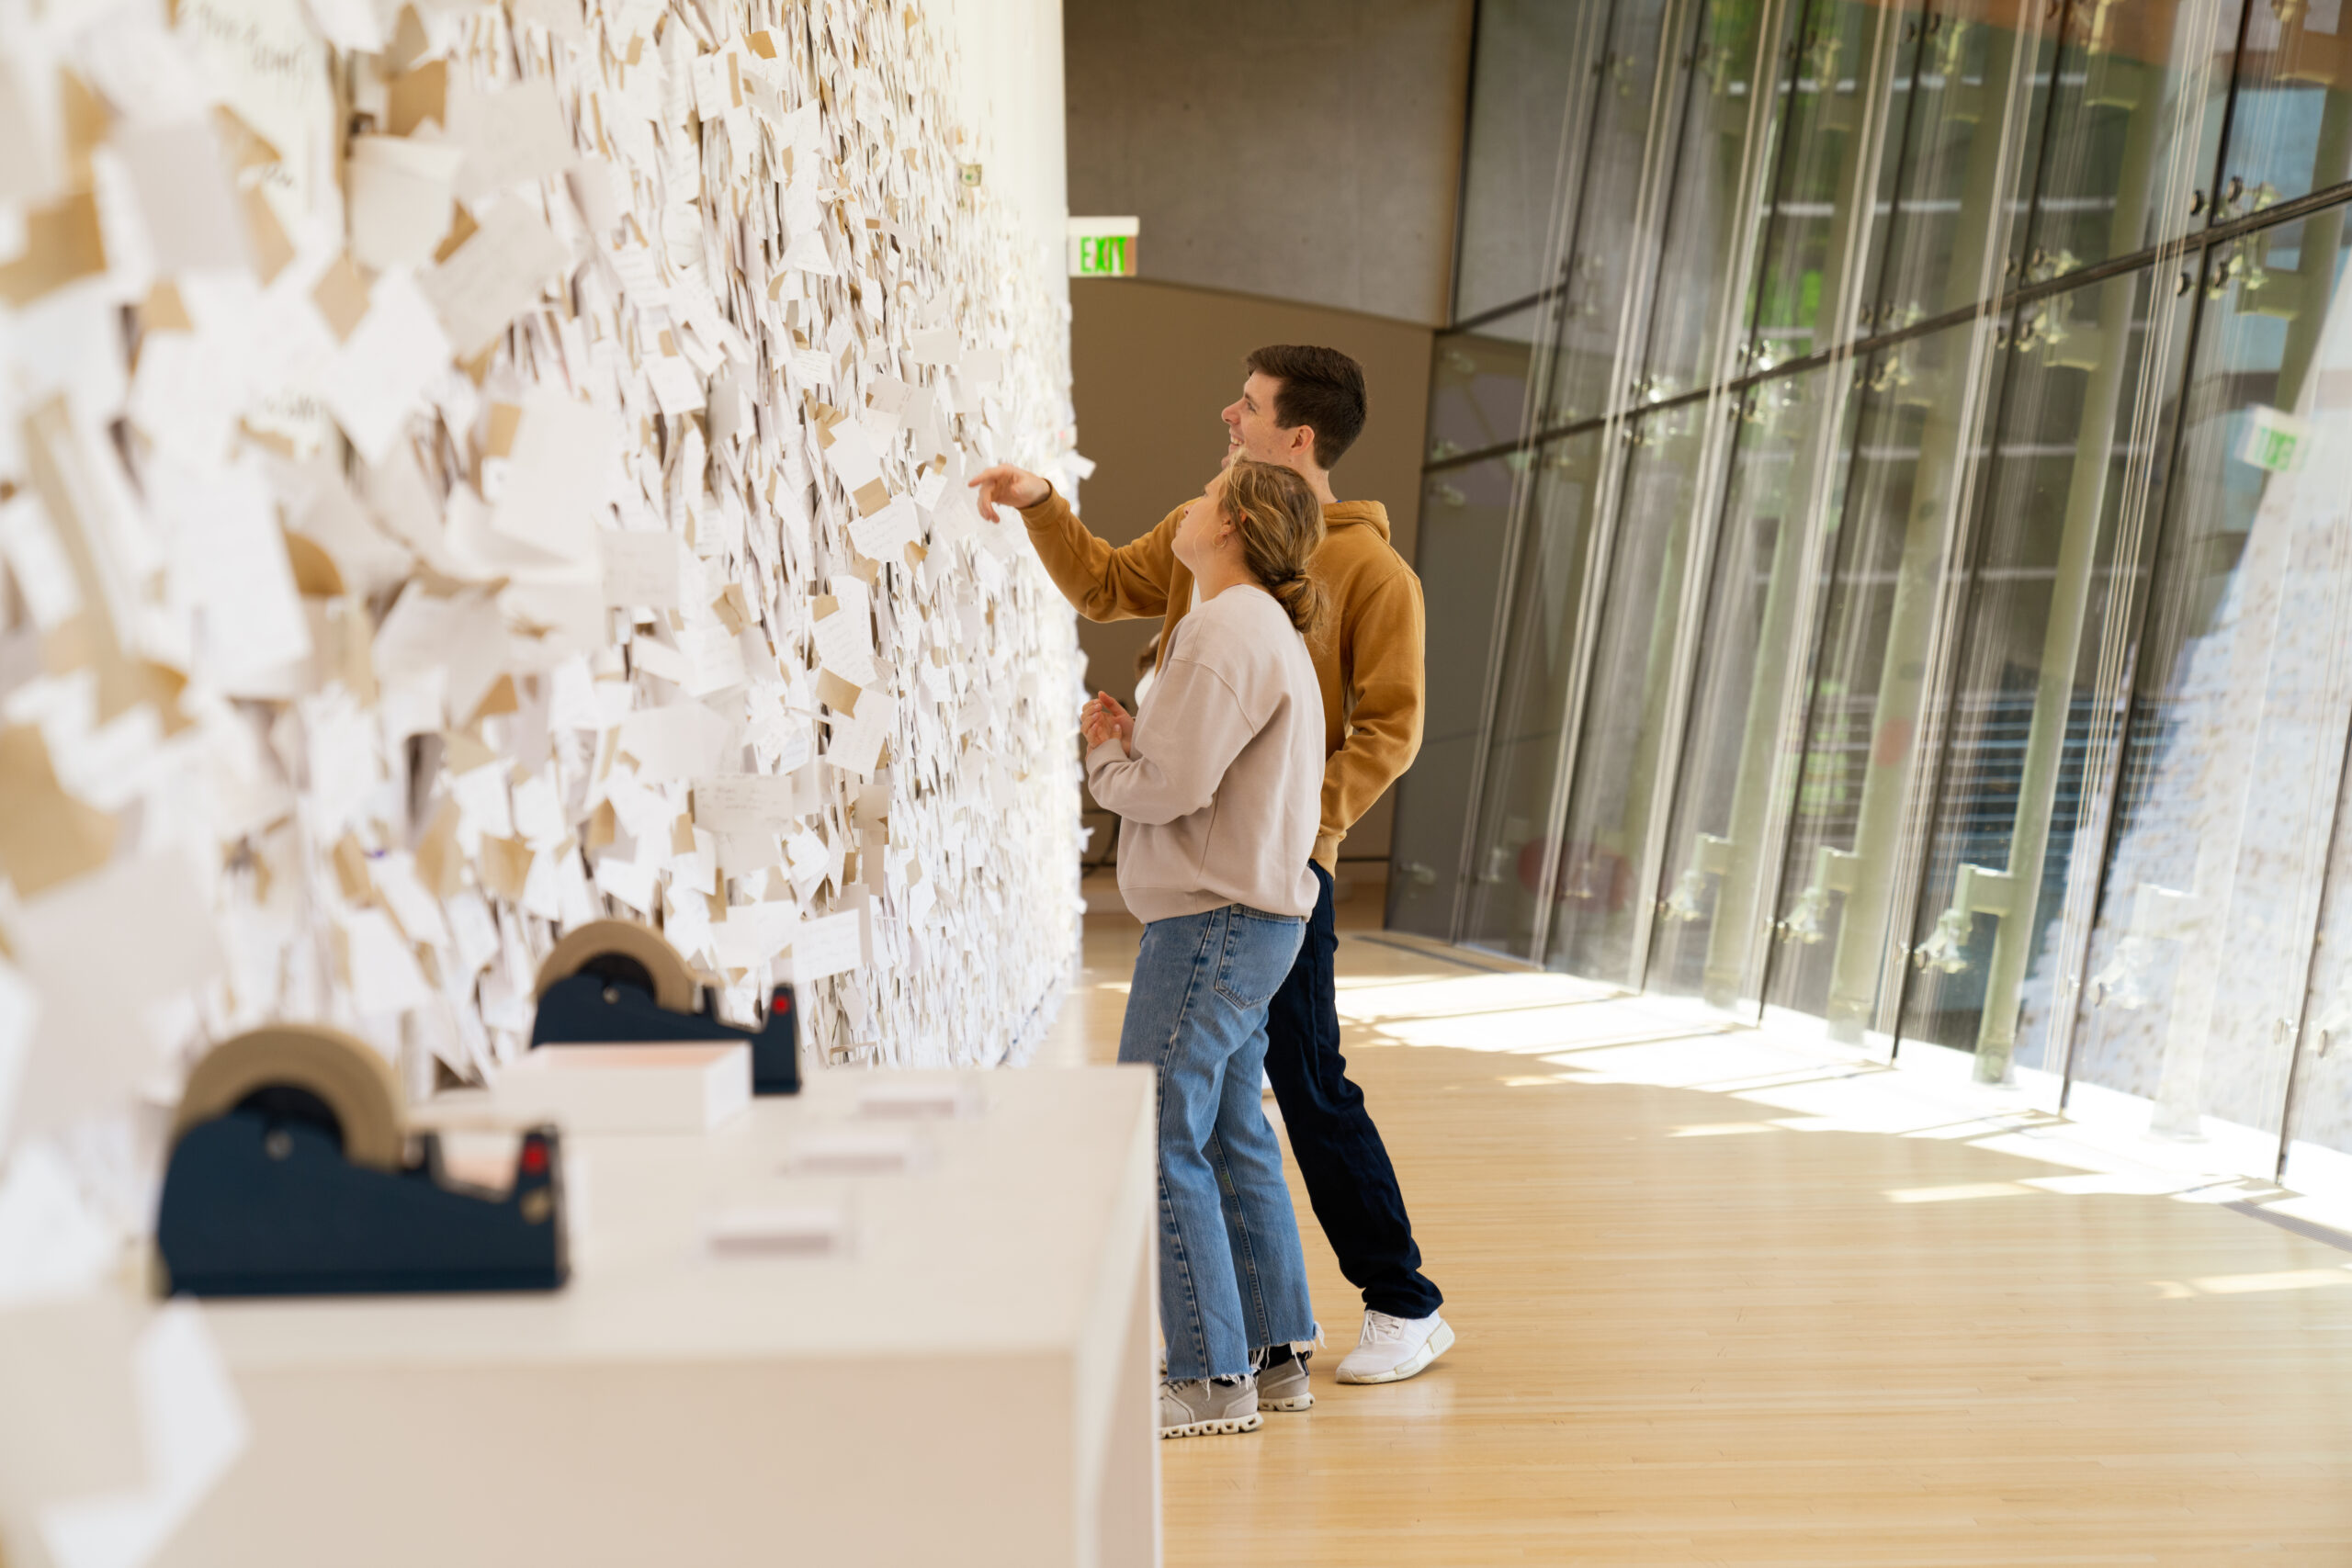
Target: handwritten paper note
{"x": 886, "y": 535}
{"x": 262, "y": 59}
{"x": 745, "y": 802}
{"x": 497, "y": 274}
{"x": 831, "y": 944}
{"x": 844, "y": 632}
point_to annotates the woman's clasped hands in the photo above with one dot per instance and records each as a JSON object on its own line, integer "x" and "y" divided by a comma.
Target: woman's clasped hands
{"x": 1103, "y": 717}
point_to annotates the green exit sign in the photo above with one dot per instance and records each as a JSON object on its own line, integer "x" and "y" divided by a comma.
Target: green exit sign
{"x": 1105, "y": 255}
{"x": 1102, "y": 247}
{"x": 2275, "y": 440}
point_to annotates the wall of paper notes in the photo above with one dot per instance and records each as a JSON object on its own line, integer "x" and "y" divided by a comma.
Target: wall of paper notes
{"x": 466, "y": 469}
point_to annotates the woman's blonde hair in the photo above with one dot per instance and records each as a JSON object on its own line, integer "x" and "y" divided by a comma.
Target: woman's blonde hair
{"x": 1280, "y": 524}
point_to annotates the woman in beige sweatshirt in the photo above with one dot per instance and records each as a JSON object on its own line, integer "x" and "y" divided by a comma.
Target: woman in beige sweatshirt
{"x": 1218, "y": 780}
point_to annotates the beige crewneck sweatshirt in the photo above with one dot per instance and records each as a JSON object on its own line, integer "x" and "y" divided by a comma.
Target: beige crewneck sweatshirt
{"x": 1222, "y": 790}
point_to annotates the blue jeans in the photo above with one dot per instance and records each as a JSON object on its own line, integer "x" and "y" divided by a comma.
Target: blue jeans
{"x": 1232, "y": 1278}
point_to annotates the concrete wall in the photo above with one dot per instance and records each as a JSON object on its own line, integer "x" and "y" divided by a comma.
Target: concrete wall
{"x": 1298, "y": 149}
{"x": 1152, "y": 363}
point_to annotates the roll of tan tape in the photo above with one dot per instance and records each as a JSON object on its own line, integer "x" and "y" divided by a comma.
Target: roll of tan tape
{"x": 674, "y": 983}
{"x": 347, "y": 1074}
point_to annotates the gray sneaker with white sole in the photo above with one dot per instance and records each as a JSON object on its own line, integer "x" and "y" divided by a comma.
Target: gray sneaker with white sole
{"x": 1283, "y": 1386}
{"x": 1200, "y": 1407}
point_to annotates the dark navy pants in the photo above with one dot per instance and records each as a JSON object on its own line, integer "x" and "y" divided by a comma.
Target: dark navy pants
{"x": 1340, "y": 1154}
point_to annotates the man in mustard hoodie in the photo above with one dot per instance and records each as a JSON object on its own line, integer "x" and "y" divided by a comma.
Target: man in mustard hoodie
{"x": 1302, "y": 407}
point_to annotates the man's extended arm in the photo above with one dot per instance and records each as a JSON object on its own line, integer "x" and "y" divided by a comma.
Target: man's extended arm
{"x": 1106, "y": 584}
{"x": 1384, "y": 731}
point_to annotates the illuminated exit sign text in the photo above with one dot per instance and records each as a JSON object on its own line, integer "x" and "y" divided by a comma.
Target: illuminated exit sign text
{"x": 1102, "y": 247}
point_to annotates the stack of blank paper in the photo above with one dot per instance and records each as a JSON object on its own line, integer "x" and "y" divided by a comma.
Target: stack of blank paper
{"x": 627, "y": 1089}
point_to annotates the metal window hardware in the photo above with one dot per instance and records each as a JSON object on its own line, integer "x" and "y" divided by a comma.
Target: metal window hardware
{"x": 1711, "y": 856}
{"x": 1979, "y": 890}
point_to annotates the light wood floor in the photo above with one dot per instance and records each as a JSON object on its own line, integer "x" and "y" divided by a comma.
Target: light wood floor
{"x": 1679, "y": 1348}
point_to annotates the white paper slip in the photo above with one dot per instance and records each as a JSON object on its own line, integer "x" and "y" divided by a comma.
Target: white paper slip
{"x": 892, "y": 1101}
{"x": 853, "y": 457}
{"x": 556, "y": 479}
{"x": 937, "y": 347}
{"x": 191, "y": 212}
{"x": 813, "y": 365}
{"x": 984, "y": 367}
{"x": 744, "y": 803}
{"x": 830, "y": 945}
{"x": 643, "y": 569}
{"x": 842, "y": 623}
{"x": 679, "y": 741}
{"x": 886, "y": 535}
{"x": 858, "y": 740}
{"x": 753, "y": 934}
{"x": 682, "y": 1087}
{"x": 379, "y": 374}
{"x": 399, "y": 199}
{"x": 813, "y": 1231}
{"x": 857, "y": 1150}
{"x": 515, "y": 133}
{"x": 493, "y": 276}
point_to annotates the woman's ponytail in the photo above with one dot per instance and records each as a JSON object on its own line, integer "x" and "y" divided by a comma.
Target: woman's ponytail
{"x": 1303, "y": 600}
{"x": 1281, "y": 525}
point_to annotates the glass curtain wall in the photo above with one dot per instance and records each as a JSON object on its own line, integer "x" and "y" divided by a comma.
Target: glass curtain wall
{"x": 1890, "y": 542}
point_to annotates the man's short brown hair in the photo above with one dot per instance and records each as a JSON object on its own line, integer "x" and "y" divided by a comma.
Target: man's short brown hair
{"x": 1321, "y": 389}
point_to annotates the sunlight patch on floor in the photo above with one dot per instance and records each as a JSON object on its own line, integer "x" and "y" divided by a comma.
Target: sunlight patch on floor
{"x": 1960, "y": 1192}
{"x": 1835, "y": 1088}
{"x": 2129, "y": 1183}
{"x": 2291, "y": 1279}
{"x": 1697, "y": 1062}
{"x": 1530, "y": 1031}
{"x": 1380, "y": 999}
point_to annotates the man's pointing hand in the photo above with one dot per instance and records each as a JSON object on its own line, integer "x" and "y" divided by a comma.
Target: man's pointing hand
{"x": 1005, "y": 485}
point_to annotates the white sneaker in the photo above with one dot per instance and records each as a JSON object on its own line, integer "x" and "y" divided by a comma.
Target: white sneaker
{"x": 1391, "y": 1349}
